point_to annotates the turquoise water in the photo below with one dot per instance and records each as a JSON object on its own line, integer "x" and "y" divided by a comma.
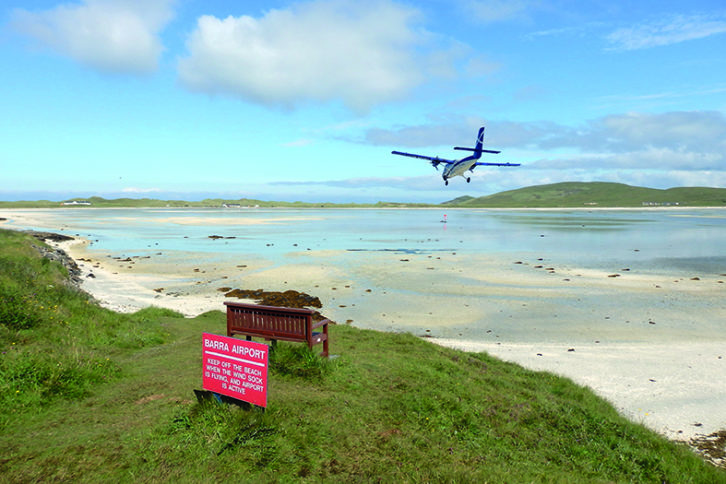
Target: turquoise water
{"x": 407, "y": 270}
{"x": 671, "y": 240}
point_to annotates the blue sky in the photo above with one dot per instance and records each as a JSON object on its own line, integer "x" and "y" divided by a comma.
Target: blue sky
{"x": 305, "y": 100}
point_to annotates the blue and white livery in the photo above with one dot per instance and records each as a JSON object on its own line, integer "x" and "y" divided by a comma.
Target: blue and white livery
{"x": 460, "y": 167}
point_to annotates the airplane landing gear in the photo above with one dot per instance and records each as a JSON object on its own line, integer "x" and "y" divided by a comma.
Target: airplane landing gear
{"x": 468, "y": 179}
{"x": 446, "y": 182}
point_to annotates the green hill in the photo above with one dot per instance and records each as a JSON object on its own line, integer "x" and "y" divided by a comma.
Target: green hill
{"x": 459, "y": 201}
{"x": 597, "y": 194}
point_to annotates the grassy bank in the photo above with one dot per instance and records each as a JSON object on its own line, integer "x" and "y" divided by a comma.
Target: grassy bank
{"x": 596, "y": 195}
{"x": 88, "y": 394}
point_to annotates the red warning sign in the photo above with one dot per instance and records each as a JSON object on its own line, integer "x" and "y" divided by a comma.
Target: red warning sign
{"x": 235, "y": 368}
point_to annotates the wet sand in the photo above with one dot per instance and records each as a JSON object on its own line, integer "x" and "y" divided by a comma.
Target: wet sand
{"x": 652, "y": 344}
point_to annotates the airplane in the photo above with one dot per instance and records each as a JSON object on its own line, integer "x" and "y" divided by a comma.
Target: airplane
{"x": 460, "y": 167}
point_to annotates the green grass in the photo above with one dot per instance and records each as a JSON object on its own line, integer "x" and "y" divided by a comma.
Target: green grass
{"x": 596, "y": 194}
{"x": 56, "y": 343}
{"x": 91, "y": 395}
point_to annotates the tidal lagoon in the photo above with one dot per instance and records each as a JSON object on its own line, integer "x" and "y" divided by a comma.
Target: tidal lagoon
{"x": 628, "y": 302}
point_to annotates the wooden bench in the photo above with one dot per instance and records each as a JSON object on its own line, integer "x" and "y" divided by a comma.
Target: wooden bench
{"x": 276, "y": 323}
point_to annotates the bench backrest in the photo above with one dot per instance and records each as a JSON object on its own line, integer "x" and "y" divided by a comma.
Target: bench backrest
{"x": 269, "y": 321}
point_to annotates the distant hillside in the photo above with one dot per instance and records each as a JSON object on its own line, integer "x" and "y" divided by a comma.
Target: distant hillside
{"x": 459, "y": 200}
{"x": 99, "y": 202}
{"x": 596, "y": 194}
{"x": 566, "y": 195}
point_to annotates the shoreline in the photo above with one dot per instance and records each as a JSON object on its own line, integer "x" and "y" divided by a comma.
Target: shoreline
{"x": 594, "y": 208}
{"x": 669, "y": 388}
{"x": 673, "y": 388}
{"x": 660, "y": 375}
{"x": 127, "y": 293}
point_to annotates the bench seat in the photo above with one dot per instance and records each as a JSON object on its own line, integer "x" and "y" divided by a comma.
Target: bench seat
{"x": 276, "y": 323}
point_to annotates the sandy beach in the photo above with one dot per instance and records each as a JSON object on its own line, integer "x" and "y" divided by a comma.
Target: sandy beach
{"x": 674, "y": 389}
{"x": 653, "y": 345}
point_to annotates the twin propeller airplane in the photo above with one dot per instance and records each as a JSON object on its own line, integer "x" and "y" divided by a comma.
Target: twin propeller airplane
{"x": 460, "y": 167}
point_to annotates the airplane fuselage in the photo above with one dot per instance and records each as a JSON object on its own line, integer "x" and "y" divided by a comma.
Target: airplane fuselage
{"x": 458, "y": 168}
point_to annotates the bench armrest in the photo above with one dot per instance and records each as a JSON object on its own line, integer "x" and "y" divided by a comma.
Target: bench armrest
{"x": 324, "y": 322}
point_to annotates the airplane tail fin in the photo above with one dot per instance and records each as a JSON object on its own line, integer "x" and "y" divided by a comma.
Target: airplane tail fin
{"x": 479, "y": 142}
{"x": 478, "y": 148}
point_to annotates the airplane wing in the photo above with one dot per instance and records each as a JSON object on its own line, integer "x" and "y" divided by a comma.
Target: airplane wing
{"x": 498, "y": 164}
{"x": 474, "y": 149}
{"x": 435, "y": 160}
{"x": 432, "y": 159}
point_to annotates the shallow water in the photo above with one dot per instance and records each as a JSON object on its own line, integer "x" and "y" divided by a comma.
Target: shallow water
{"x": 649, "y": 340}
{"x": 648, "y": 240}
{"x": 408, "y": 270}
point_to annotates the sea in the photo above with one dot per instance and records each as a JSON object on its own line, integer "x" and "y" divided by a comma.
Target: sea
{"x": 673, "y": 240}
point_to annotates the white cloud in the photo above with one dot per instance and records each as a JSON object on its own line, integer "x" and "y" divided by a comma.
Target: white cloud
{"x": 461, "y": 132}
{"x": 685, "y": 131}
{"x": 362, "y": 53}
{"x": 118, "y": 36}
{"x": 675, "y": 29}
{"x": 425, "y": 135}
{"x": 679, "y": 141}
{"x": 695, "y": 129}
{"x": 669, "y": 159}
{"x": 702, "y": 178}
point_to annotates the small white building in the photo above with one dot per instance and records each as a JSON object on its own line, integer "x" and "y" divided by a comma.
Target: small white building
{"x": 77, "y": 202}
